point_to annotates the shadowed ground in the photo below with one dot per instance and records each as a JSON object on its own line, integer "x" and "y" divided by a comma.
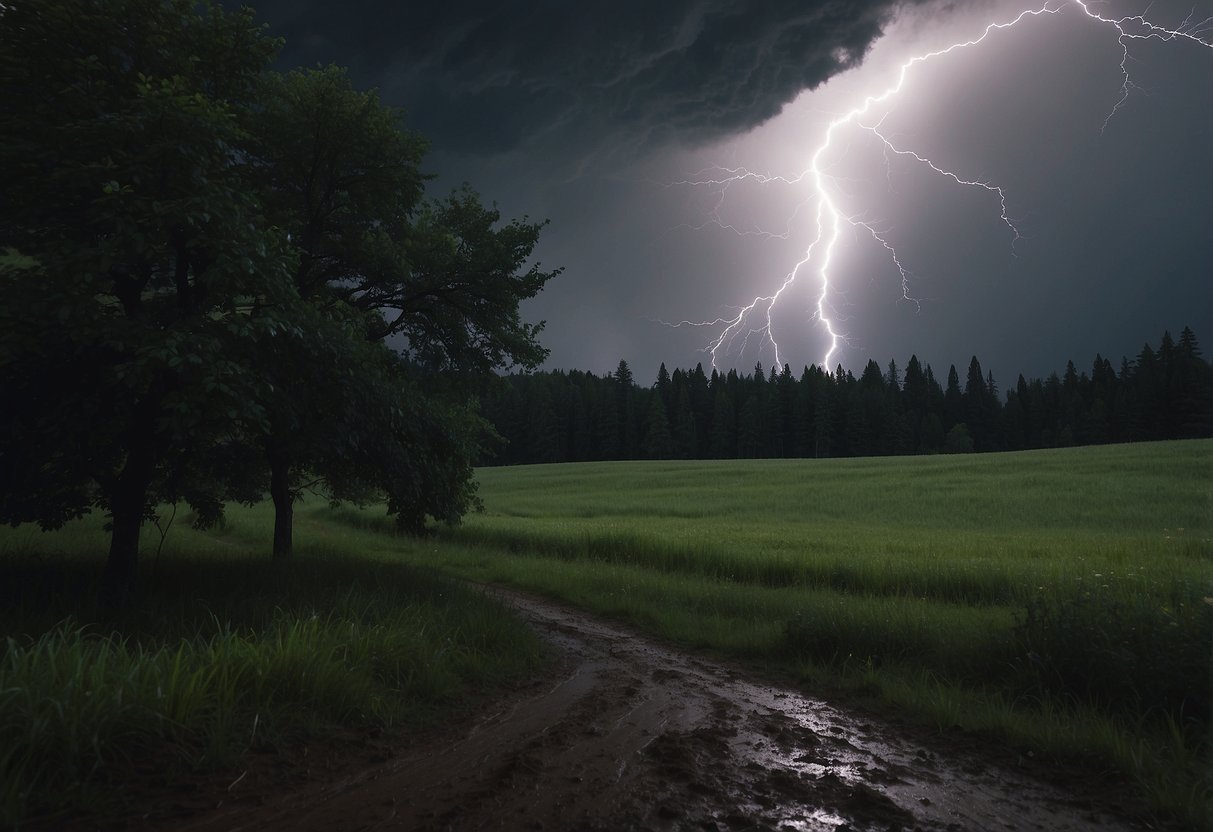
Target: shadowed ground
{"x": 631, "y": 734}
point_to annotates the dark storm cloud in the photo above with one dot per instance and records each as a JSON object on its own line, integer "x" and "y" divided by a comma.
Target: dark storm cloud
{"x": 578, "y": 112}
{"x": 482, "y": 76}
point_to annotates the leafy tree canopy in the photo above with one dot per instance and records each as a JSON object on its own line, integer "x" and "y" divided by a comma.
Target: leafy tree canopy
{"x": 440, "y": 280}
{"x": 201, "y": 260}
{"x": 137, "y": 260}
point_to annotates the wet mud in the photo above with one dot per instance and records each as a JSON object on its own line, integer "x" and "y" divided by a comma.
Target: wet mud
{"x": 631, "y": 734}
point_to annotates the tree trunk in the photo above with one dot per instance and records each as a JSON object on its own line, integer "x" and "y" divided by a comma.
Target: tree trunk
{"x": 129, "y": 492}
{"x": 284, "y": 508}
{"x": 127, "y": 502}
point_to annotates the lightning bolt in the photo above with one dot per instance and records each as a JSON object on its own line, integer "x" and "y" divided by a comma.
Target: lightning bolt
{"x": 733, "y": 333}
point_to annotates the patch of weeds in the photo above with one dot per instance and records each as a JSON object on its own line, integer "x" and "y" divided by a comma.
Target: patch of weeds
{"x": 1100, "y": 642}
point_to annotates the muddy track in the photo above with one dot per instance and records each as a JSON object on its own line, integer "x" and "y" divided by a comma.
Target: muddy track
{"x": 635, "y": 735}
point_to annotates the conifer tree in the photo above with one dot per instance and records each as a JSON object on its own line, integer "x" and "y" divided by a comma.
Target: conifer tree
{"x": 658, "y": 444}
{"x": 724, "y": 424}
{"x": 750, "y": 437}
{"x": 685, "y": 440}
{"x": 953, "y": 400}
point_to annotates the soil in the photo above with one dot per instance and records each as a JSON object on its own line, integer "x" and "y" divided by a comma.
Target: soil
{"x": 632, "y": 734}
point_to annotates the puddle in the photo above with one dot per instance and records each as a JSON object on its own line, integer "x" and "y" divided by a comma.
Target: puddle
{"x": 635, "y": 735}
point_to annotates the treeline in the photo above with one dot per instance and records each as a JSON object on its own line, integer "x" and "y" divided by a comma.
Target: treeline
{"x": 558, "y": 416}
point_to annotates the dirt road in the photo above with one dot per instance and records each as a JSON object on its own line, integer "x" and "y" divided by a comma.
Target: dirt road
{"x": 635, "y": 735}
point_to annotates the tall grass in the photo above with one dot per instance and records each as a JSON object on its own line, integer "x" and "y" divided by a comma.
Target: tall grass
{"x": 224, "y": 654}
{"x": 1055, "y": 600}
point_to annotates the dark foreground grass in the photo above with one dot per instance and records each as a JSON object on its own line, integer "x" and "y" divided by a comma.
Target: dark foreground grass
{"x": 1055, "y": 601}
{"x": 223, "y": 653}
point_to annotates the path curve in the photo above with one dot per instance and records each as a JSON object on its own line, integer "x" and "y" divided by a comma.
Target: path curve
{"x": 635, "y": 735}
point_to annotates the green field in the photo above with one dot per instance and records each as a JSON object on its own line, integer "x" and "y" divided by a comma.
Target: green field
{"x": 1060, "y": 601}
{"x": 224, "y": 659}
{"x": 1053, "y": 601}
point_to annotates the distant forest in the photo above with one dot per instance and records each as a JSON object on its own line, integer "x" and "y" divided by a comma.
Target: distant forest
{"x": 559, "y": 416}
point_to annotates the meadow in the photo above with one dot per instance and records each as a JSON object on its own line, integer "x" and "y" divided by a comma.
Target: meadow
{"x": 1058, "y": 602}
{"x": 226, "y": 663}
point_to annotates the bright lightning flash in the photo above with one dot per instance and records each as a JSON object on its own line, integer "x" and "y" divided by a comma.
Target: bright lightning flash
{"x": 755, "y": 318}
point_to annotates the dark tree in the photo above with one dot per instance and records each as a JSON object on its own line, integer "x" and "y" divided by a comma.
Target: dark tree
{"x": 441, "y": 281}
{"x": 958, "y": 440}
{"x": 664, "y": 387}
{"x": 824, "y": 415}
{"x": 139, "y": 273}
{"x": 701, "y": 407}
{"x": 750, "y": 443}
{"x": 607, "y": 411}
{"x": 201, "y": 257}
{"x": 1191, "y": 389}
{"x": 658, "y": 443}
{"x": 543, "y": 428}
{"x": 914, "y": 396}
{"x": 724, "y": 424}
{"x": 685, "y": 440}
{"x": 953, "y": 400}
{"x": 629, "y": 415}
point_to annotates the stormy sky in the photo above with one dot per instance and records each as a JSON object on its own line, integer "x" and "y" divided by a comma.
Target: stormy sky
{"x": 601, "y": 117}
